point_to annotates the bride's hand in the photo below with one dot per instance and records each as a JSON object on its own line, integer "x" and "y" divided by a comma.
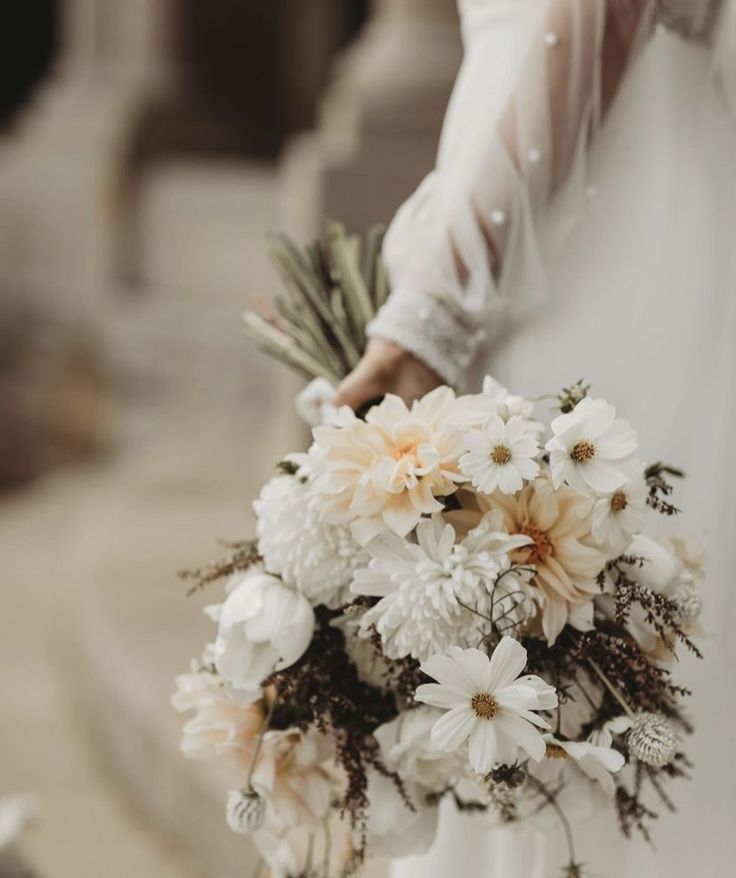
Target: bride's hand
{"x": 386, "y": 368}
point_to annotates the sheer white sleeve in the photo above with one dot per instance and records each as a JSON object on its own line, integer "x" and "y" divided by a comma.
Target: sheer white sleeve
{"x": 537, "y": 79}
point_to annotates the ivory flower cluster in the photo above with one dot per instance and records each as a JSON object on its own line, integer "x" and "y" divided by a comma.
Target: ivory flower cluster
{"x": 447, "y": 598}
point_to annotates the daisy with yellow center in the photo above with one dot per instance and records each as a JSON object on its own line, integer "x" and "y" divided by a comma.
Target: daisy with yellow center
{"x": 618, "y": 516}
{"x": 501, "y": 456}
{"x": 488, "y": 704}
{"x": 591, "y": 448}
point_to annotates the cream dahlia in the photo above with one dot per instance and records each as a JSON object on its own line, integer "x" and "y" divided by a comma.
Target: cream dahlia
{"x": 558, "y": 525}
{"x": 225, "y": 726}
{"x": 387, "y": 471}
{"x": 291, "y": 775}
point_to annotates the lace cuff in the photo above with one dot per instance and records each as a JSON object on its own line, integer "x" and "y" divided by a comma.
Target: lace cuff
{"x": 428, "y": 329}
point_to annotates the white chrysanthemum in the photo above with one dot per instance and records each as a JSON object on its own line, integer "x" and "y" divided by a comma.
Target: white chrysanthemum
{"x": 597, "y": 762}
{"x": 618, "y": 515}
{"x": 307, "y": 553}
{"x": 591, "y": 449}
{"x": 487, "y": 703}
{"x": 387, "y": 471}
{"x": 407, "y": 748}
{"x": 432, "y": 591}
{"x": 500, "y": 456}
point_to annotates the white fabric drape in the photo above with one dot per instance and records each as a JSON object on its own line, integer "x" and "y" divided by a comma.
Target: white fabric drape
{"x": 479, "y": 232}
{"x": 640, "y": 300}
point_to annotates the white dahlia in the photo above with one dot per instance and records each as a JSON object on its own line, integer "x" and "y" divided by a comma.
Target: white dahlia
{"x": 387, "y": 471}
{"x": 591, "y": 449}
{"x": 432, "y": 591}
{"x": 500, "y": 456}
{"x": 307, "y": 553}
{"x": 487, "y": 704}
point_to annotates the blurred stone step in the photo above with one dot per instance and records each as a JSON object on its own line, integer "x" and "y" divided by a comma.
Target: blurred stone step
{"x": 137, "y": 629}
{"x": 84, "y": 826}
{"x": 201, "y": 229}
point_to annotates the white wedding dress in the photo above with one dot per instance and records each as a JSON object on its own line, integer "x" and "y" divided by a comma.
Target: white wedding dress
{"x": 556, "y": 241}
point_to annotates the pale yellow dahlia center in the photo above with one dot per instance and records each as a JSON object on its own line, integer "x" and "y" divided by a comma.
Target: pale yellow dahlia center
{"x": 619, "y": 502}
{"x": 484, "y": 705}
{"x": 541, "y": 546}
{"x": 501, "y": 455}
{"x": 406, "y": 449}
{"x": 583, "y": 451}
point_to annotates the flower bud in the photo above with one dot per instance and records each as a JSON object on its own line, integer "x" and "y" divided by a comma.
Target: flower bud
{"x": 652, "y": 739}
{"x": 244, "y": 811}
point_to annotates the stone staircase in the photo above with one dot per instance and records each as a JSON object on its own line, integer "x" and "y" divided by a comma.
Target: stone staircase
{"x": 95, "y": 622}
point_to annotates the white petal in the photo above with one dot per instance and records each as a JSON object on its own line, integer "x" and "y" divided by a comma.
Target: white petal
{"x": 450, "y": 730}
{"x": 602, "y": 477}
{"x": 507, "y": 662}
{"x": 524, "y": 734}
{"x": 451, "y": 674}
{"x": 483, "y": 747}
{"x": 439, "y": 696}
{"x": 477, "y": 667}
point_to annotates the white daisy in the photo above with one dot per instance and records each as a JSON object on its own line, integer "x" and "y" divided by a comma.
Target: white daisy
{"x": 595, "y": 761}
{"x": 619, "y": 514}
{"x": 500, "y": 456}
{"x": 488, "y": 704}
{"x": 433, "y": 590}
{"x": 591, "y": 449}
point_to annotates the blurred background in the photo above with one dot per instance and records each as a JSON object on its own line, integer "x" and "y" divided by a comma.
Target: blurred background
{"x": 146, "y": 149}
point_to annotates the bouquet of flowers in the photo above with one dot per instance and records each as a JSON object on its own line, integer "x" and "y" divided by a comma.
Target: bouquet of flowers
{"x": 446, "y": 599}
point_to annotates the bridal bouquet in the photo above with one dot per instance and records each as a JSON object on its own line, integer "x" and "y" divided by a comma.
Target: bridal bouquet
{"x": 447, "y": 600}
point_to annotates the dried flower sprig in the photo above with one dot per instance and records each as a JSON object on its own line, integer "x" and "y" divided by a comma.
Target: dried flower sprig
{"x": 243, "y": 554}
{"x": 328, "y": 694}
{"x": 660, "y": 612}
{"x": 660, "y": 489}
{"x": 332, "y": 289}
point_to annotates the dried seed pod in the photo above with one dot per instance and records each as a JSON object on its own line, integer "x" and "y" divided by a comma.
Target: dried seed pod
{"x": 244, "y": 810}
{"x": 652, "y": 740}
